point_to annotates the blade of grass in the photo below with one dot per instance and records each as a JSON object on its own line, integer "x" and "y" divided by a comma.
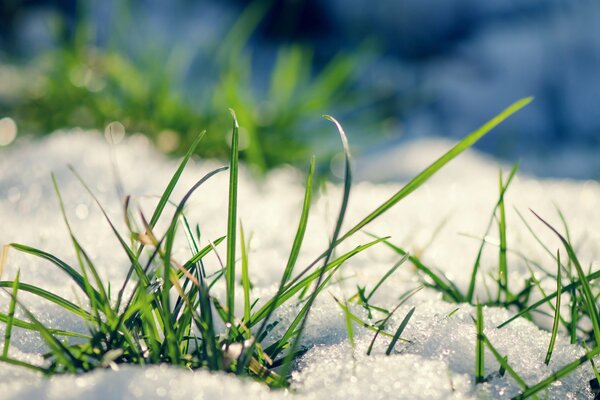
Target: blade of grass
{"x": 502, "y": 261}
{"x": 564, "y": 371}
{"x": 334, "y": 239}
{"x": 406, "y": 296}
{"x": 416, "y": 182}
{"x": 387, "y": 275}
{"x": 232, "y": 220}
{"x": 569, "y": 288}
{"x": 504, "y": 363}
{"x": 67, "y": 305}
{"x": 475, "y": 269}
{"x": 479, "y": 351}
{"x": 585, "y": 286}
{"x": 399, "y": 331}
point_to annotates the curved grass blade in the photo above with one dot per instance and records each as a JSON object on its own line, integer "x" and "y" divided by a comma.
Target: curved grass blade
{"x": 399, "y": 331}
{"x": 54, "y": 298}
{"x": 585, "y": 286}
{"x": 83, "y": 259}
{"x": 24, "y": 364}
{"x": 74, "y": 275}
{"x": 29, "y": 326}
{"x": 334, "y": 241}
{"x": 416, "y": 182}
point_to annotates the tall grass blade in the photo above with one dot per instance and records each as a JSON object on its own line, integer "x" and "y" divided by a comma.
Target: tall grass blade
{"x": 334, "y": 239}
{"x": 502, "y": 261}
{"x": 416, "y": 182}
{"x": 164, "y": 199}
{"x": 232, "y": 220}
{"x": 590, "y": 302}
{"x": 475, "y": 269}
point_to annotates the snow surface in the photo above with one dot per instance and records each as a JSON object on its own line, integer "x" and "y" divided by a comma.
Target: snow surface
{"x": 437, "y": 363}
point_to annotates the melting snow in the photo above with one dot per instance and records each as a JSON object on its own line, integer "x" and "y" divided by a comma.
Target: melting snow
{"x": 437, "y": 363}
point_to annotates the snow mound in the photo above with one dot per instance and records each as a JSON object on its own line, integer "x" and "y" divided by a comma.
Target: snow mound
{"x": 437, "y": 359}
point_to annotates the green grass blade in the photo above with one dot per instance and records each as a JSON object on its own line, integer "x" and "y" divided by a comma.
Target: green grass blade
{"x": 564, "y": 371}
{"x": 74, "y": 275}
{"x": 83, "y": 258}
{"x": 556, "y": 313}
{"x": 382, "y": 325}
{"x": 29, "y": 326}
{"x": 440, "y": 282}
{"x": 479, "y": 350}
{"x": 164, "y": 199}
{"x": 54, "y": 298}
{"x": 387, "y": 275}
{"x": 289, "y": 268}
{"x": 475, "y": 269}
{"x": 245, "y": 276}
{"x": 232, "y": 220}
{"x": 502, "y": 261}
{"x": 334, "y": 241}
{"x": 569, "y": 288}
{"x": 399, "y": 331}
{"x": 416, "y": 182}
{"x": 504, "y": 363}
{"x": 298, "y": 239}
{"x": 24, "y": 364}
{"x": 11, "y": 316}
{"x": 585, "y": 286}
{"x": 349, "y": 327}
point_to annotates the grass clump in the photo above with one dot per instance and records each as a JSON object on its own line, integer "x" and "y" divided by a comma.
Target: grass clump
{"x": 166, "y": 312}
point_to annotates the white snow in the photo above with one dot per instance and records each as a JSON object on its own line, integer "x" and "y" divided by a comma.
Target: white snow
{"x": 437, "y": 363}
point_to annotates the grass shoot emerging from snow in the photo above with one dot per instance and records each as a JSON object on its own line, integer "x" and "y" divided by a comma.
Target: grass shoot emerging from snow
{"x": 165, "y": 311}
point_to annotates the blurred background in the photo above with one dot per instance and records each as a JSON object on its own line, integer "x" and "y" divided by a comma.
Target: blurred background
{"x": 392, "y": 71}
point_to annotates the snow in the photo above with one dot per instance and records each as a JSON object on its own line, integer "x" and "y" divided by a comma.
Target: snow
{"x": 437, "y": 363}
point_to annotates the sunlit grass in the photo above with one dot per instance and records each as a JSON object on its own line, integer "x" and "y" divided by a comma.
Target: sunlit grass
{"x": 165, "y": 310}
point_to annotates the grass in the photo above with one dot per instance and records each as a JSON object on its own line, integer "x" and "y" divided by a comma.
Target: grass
{"x": 165, "y": 311}
{"x": 170, "y": 90}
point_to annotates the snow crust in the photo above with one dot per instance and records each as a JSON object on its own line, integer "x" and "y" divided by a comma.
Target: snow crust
{"x": 437, "y": 361}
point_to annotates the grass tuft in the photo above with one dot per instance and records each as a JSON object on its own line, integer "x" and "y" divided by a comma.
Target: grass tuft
{"x": 170, "y": 313}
